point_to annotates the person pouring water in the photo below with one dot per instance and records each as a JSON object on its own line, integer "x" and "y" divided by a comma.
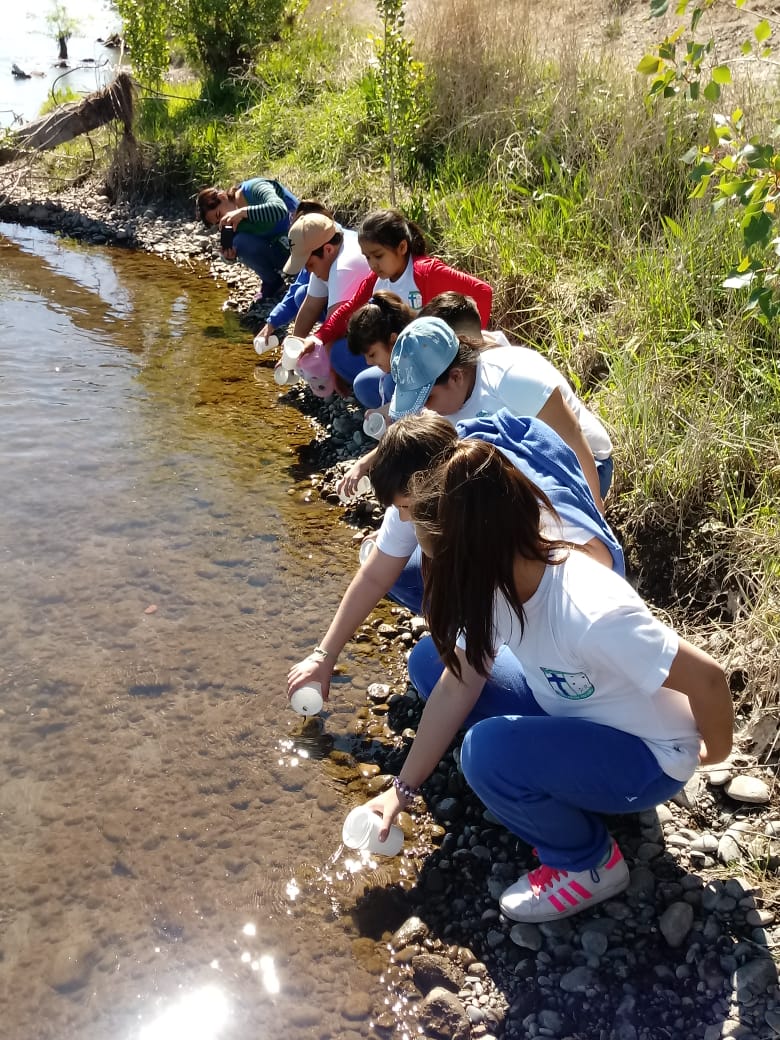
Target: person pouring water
{"x": 618, "y": 709}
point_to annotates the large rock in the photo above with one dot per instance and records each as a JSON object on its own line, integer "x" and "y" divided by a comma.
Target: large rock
{"x": 443, "y": 1017}
{"x": 432, "y": 971}
{"x": 749, "y": 789}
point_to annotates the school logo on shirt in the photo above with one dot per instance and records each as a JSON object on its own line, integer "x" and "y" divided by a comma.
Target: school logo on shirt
{"x": 573, "y": 686}
{"x": 415, "y": 299}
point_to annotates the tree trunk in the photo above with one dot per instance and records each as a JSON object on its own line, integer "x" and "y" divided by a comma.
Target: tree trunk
{"x": 68, "y": 121}
{"x": 63, "y": 45}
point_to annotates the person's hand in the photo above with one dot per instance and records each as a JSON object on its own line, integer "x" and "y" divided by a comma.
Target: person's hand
{"x": 308, "y": 345}
{"x": 309, "y": 670}
{"x": 229, "y": 254}
{"x": 233, "y": 218}
{"x": 266, "y": 332}
{"x": 347, "y": 486}
{"x": 388, "y": 804}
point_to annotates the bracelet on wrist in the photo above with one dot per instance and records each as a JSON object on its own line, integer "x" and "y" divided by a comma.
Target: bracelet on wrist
{"x": 408, "y": 792}
{"x": 321, "y": 652}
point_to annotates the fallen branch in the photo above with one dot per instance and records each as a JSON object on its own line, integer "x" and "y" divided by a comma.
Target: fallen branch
{"x": 116, "y": 101}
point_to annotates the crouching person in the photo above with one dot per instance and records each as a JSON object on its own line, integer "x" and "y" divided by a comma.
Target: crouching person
{"x": 617, "y": 709}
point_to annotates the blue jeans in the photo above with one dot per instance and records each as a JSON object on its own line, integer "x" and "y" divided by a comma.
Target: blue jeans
{"x": 265, "y": 256}
{"x": 548, "y": 778}
{"x": 372, "y": 387}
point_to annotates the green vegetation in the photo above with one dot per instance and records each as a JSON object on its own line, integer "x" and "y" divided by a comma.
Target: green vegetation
{"x": 736, "y": 161}
{"x": 550, "y": 176}
{"x": 220, "y": 37}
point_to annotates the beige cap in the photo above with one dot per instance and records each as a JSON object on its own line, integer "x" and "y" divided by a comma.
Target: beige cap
{"x": 307, "y": 234}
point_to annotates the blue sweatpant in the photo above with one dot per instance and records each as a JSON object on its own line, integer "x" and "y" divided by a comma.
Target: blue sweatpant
{"x": 265, "y": 256}
{"x": 366, "y": 380}
{"x": 548, "y": 778}
{"x": 344, "y": 362}
{"x": 373, "y": 387}
{"x": 604, "y": 469}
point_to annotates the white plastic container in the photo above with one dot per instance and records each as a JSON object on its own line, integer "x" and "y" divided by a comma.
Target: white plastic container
{"x": 364, "y": 487}
{"x": 284, "y": 378}
{"x": 307, "y": 700}
{"x": 367, "y": 546}
{"x": 292, "y": 349}
{"x": 361, "y": 832}
{"x": 263, "y": 345}
{"x": 375, "y": 425}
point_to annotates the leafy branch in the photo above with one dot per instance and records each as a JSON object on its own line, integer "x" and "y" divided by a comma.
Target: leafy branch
{"x": 737, "y": 167}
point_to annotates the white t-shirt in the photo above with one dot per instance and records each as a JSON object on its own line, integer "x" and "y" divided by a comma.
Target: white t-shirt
{"x": 591, "y": 649}
{"x": 405, "y": 287}
{"x": 521, "y": 380}
{"x": 396, "y": 537}
{"x": 346, "y": 273}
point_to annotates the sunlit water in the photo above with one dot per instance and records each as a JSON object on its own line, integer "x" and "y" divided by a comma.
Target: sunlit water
{"x": 26, "y": 42}
{"x": 170, "y": 862}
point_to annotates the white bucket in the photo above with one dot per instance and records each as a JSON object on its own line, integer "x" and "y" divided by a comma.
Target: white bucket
{"x": 361, "y": 832}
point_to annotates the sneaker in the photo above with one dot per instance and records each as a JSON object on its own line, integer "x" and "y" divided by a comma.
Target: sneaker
{"x": 546, "y": 894}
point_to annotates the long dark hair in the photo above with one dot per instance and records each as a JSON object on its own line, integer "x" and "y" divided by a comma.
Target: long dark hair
{"x": 412, "y": 444}
{"x": 476, "y": 514}
{"x": 385, "y": 314}
{"x": 389, "y": 227}
{"x": 208, "y": 199}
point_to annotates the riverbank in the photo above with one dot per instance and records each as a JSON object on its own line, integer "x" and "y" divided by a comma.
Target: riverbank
{"x": 687, "y": 952}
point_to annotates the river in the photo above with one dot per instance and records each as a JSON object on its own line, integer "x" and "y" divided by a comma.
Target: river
{"x": 171, "y": 864}
{"x": 27, "y": 42}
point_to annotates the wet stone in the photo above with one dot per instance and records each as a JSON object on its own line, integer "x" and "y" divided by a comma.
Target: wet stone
{"x": 431, "y": 970}
{"x": 443, "y": 1017}
{"x": 413, "y": 930}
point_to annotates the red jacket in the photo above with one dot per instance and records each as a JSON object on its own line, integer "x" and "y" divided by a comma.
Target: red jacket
{"x": 431, "y": 276}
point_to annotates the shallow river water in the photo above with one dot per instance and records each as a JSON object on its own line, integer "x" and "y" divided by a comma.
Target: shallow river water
{"x": 170, "y": 861}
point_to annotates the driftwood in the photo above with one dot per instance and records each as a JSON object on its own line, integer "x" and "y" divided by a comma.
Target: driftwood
{"x": 68, "y": 121}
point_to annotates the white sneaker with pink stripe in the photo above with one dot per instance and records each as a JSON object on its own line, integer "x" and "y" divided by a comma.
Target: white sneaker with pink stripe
{"x": 545, "y": 894}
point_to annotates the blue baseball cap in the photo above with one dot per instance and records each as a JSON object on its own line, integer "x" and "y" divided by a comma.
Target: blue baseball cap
{"x": 424, "y": 349}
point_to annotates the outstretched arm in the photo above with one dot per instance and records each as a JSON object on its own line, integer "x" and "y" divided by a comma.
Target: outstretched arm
{"x": 371, "y": 582}
{"x": 444, "y": 713}
{"x": 703, "y": 682}
{"x": 310, "y": 310}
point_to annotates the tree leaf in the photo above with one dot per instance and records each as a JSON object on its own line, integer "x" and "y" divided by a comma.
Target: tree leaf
{"x": 650, "y": 65}
{"x": 721, "y": 74}
{"x": 738, "y": 281}
{"x": 712, "y": 91}
{"x": 658, "y": 7}
{"x": 762, "y": 31}
{"x": 757, "y": 229}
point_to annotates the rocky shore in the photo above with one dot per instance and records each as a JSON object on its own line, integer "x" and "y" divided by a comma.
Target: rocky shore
{"x": 687, "y": 952}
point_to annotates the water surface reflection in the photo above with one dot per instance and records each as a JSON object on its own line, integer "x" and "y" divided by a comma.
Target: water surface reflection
{"x": 168, "y": 830}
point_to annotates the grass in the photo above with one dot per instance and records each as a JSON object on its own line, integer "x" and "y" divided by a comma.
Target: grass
{"x": 544, "y": 171}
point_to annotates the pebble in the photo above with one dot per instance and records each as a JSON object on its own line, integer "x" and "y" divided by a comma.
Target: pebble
{"x": 527, "y": 936}
{"x": 675, "y": 923}
{"x": 578, "y": 980}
